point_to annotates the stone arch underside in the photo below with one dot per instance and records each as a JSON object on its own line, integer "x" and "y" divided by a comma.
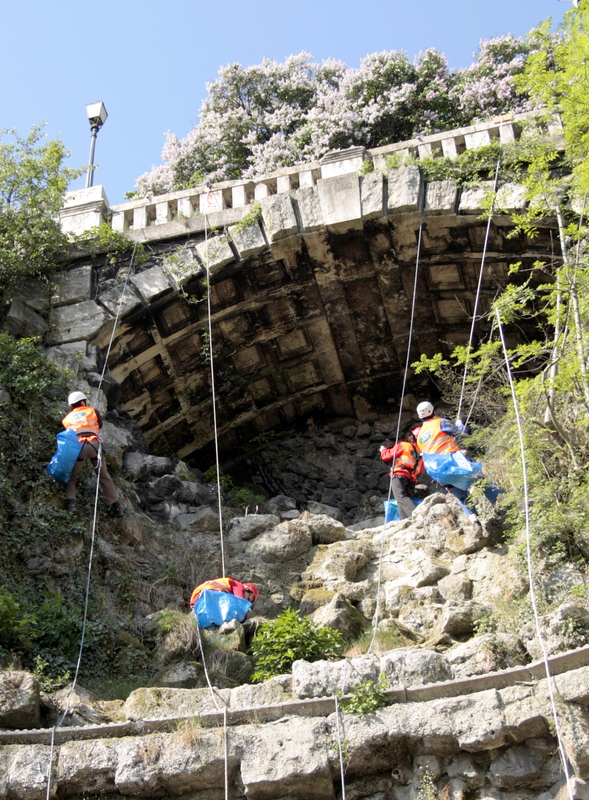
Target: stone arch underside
{"x": 312, "y": 325}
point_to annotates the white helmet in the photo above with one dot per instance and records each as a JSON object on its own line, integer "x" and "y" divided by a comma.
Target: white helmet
{"x": 76, "y": 397}
{"x": 424, "y": 410}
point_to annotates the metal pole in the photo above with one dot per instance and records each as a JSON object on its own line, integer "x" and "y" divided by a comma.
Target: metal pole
{"x": 90, "y": 174}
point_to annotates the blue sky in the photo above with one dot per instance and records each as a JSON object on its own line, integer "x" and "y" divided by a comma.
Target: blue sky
{"x": 150, "y": 61}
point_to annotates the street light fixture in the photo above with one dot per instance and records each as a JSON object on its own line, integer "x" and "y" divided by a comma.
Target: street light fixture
{"x": 96, "y": 113}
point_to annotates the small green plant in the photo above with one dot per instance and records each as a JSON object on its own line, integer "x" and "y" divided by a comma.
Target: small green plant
{"x": 49, "y": 683}
{"x": 253, "y": 216}
{"x": 367, "y": 697}
{"x": 282, "y": 641}
{"x": 367, "y": 167}
{"x": 426, "y": 789}
{"x": 103, "y": 239}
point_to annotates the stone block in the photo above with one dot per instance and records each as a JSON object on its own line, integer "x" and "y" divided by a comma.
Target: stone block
{"x": 73, "y": 286}
{"x": 249, "y": 241}
{"x": 341, "y": 206}
{"x": 140, "y": 464}
{"x": 279, "y": 217}
{"x": 413, "y": 667}
{"x": 405, "y": 188}
{"x": 290, "y": 759}
{"x": 283, "y": 184}
{"x": 19, "y": 700}
{"x": 440, "y": 197}
{"x": 340, "y": 615}
{"x": 477, "y": 139}
{"x": 246, "y": 528}
{"x": 449, "y": 148}
{"x": 83, "y": 209}
{"x": 210, "y": 202}
{"x": 121, "y": 300}
{"x": 202, "y": 521}
{"x": 518, "y": 766}
{"x": 151, "y": 283}
{"x": 35, "y": 294}
{"x": 326, "y": 530}
{"x": 325, "y": 678}
{"x": 261, "y": 190}
{"x": 116, "y": 441}
{"x": 80, "y": 321}
{"x": 511, "y": 197}
{"x": 372, "y": 195}
{"x": 473, "y": 199}
{"x": 21, "y": 320}
{"x": 306, "y": 201}
{"x": 215, "y": 253}
{"x": 182, "y": 266}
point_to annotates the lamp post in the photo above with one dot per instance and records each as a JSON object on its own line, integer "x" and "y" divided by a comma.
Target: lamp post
{"x": 96, "y": 113}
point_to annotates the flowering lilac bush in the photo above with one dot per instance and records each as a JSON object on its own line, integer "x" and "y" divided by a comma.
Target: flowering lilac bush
{"x": 271, "y": 115}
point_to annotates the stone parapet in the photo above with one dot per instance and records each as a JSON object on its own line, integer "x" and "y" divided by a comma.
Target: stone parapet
{"x": 176, "y": 213}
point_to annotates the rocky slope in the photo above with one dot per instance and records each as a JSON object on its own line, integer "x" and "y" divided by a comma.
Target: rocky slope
{"x": 453, "y": 645}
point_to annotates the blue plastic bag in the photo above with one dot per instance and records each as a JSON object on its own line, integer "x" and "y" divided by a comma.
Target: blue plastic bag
{"x": 215, "y": 608}
{"x": 68, "y": 449}
{"x": 391, "y": 511}
{"x": 452, "y": 468}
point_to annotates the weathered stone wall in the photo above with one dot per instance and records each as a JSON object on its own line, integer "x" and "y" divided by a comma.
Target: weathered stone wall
{"x": 310, "y": 307}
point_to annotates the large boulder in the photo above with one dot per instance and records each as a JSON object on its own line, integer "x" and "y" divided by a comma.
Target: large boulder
{"x": 340, "y": 615}
{"x": 486, "y": 653}
{"x": 326, "y": 530}
{"x": 565, "y": 628}
{"x": 19, "y": 700}
{"x": 414, "y": 667}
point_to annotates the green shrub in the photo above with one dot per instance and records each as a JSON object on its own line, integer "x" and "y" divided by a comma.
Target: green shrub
{"x": 280, "y": 642}
{"x": 367, "y": 697}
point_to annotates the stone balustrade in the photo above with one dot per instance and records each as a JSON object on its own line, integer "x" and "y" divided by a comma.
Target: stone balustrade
{"x": 86, "y": 208}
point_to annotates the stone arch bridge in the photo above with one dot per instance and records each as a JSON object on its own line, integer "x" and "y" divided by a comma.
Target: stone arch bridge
{"x": 310, "y": 291}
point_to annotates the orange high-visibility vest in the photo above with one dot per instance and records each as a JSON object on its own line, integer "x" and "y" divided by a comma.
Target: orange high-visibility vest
{"x": 432, "y": 439}
{"x": 407, "y": 461}
{"x": 82, "y": 419}
{"x": 218, "y": 585}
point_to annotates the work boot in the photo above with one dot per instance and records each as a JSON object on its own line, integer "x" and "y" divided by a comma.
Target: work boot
{"x": 475, "y": 522}
{"x": 71, "y": 506}
{"x": 115, "y": 509}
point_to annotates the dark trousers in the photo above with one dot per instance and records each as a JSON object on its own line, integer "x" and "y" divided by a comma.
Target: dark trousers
{"x": 402, "y": 491}
{"x": 90, "y": 452}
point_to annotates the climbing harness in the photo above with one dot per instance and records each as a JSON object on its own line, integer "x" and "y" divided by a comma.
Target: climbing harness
{"x": 549, "y": 678}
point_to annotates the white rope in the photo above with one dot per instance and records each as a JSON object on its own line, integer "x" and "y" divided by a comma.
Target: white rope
{"x": 92, "y": 541}
{"x": 116, "y": 322}
{"x": 214, "y": 397}
{"x": 204, "y": 664}
{"x": 340, "y": 751}
{"x": 226, "y": 742}
{"x": 480, "y": 280}
{"x": 376, "y": 617}
{"x": 549, "y": 677}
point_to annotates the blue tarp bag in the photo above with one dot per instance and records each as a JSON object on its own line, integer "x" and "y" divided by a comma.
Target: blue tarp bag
{"x": 215, "y": 608}
{"x": 452, "y": 468}
{"x": 68, "y": 449}
{"x": 391, "y": 511}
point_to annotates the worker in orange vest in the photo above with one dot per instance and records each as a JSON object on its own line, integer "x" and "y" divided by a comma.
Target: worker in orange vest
{"x": 246, "y": 590}
{"x": 86, "y": 422}
{"x": 406, "y": 469}
{"x": 438, "y": 436}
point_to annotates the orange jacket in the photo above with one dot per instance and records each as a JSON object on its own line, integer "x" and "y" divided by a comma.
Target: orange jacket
{"x": 407, "y": 462}
{"x": 223, "y": 585}
{"x": 84, "y": 420}
{"x": 432, "y": 439}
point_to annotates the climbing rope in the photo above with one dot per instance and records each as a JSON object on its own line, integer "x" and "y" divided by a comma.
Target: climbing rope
{"x": 480, "y": 280}
{"x": 339, "y": 748}
{"x": 92, "y": 538}
{"x": 212, "y": 691}
{"x": 376, "y": 617}
{"x": 213, "y": 392}
{"x": 549, "y": 678}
